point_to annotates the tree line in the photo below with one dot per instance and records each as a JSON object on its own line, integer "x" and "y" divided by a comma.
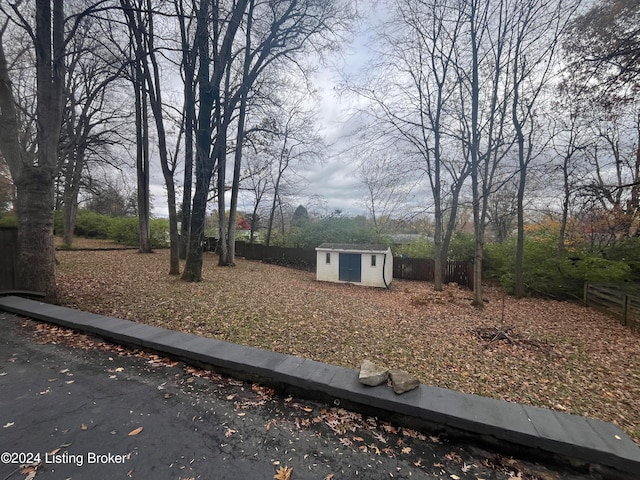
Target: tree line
{"x": 511, "y": 108}
{"x": 72, "y": 81}
{"x": 500, "y": 108}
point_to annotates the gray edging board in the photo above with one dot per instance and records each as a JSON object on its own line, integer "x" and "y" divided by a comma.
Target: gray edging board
{"x": 572, "y": 436}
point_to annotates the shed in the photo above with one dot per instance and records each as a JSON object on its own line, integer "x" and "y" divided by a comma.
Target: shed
{"x": 363, "y": 264}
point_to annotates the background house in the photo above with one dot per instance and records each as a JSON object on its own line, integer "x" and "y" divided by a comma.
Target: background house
{"x": 363, "y": 264}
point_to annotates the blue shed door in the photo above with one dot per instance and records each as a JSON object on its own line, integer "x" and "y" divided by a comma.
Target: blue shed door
{"x": 350, "y": 267}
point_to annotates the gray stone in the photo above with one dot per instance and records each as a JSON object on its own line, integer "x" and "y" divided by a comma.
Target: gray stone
{"x": 372, "y": 374}
{"x": 402, "y": 381}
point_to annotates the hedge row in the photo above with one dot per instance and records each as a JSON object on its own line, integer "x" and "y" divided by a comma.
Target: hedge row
{"x": 124, "y": 230}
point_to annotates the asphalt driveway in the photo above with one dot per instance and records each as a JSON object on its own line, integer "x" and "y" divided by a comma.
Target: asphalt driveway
{"x": 103, "y": 411}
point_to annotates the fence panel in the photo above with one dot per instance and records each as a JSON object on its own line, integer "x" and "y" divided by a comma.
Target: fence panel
{"x": 8, "y": 258}
{"x": 303, "y": 258}
{"x": 613, "y": 300}
{"x": 413, "y": 268}
{"x": 403, "y": 268}
{"x": 424, "y": 269}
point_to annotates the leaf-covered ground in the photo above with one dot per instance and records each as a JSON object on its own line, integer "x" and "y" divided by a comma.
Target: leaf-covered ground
{"x": 557, "y": 354}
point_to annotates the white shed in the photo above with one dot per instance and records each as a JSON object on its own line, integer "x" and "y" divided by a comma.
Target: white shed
{"x": 363, "y": 264}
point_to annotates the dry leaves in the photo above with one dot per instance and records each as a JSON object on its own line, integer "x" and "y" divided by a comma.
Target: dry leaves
{"x": 588, "y": 364}
{"x": 30, "y": 471}
{"x": 283, "y": 473}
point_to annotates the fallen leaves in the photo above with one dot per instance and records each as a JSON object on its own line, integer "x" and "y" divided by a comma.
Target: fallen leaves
{"x": 30, "y": 471}
{"x": 283, "y": 473}
{"x": 588, "y": 363}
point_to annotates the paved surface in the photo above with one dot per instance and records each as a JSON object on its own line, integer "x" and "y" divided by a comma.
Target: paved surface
{"x": 76, "y": 407}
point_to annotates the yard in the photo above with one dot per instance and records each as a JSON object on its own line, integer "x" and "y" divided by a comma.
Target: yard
{"x": 557, "y": 355}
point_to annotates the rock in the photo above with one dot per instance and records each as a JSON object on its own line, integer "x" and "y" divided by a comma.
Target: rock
{"x": 371, "y": 374}
{"x": 402, "y": 381}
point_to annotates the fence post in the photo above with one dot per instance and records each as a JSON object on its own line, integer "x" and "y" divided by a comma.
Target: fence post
{"x": 586, "y": 294}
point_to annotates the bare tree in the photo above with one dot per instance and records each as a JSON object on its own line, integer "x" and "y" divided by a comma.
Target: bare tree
{"x": 91, "y": 117}
{"x": 141, "y": 22}
{"x": 189, "y": 59}
{"x": 387, "y": 186}
{"x": 295, "y": 142}
{"x": 484, "y": 88}
{"x": 224, "y": 27}
{"x": 605, "y": 42}
{"x": 282, "y": 29}
{"x": 301, "y": 27}
{"x": 257, "y": 169}
{"x": 413, "y": 95}
{"x": 538, "y": 27}
{"x": 603, "y": 50}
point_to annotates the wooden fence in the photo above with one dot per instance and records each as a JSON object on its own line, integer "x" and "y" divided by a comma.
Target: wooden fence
{"x": 8, "y": 258}
{"x": 425, "y": 269}
{"x": 303, "y": 258}
{"x": 403, "y": 268}
{"x": 613, "y": 300}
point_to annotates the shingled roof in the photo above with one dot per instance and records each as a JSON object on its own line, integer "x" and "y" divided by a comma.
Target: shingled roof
{"x": 356, "y": 247}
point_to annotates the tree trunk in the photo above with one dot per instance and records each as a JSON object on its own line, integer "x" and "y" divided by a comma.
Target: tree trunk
{"x": 438, "y": 253}
{"x": 188, "y": 174}
{"x": 272, "y": 213}
{"x": 519, "y": 261}
{"x": 75, "y": 164}
{"x": 193, "y": 265}
{"x": 70, "y": 213}
{"x": 35, "y": 180}
{"x": 478, "y": 226}
{"x": 142, "y": 161}
{"x": 566, "y": 200}
{"x": 36, "y": 253}
{"x": 188, "y": 64}
{"x": 237, "y": 164}
{"x": 204, "y": 168}
{"x": 222, "y": 223}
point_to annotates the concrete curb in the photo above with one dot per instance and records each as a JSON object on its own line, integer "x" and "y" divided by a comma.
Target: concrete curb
{"x": 530, "y": 430}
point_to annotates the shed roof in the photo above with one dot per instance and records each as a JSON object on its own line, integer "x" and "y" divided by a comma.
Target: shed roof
{"x": 354, "y": 247}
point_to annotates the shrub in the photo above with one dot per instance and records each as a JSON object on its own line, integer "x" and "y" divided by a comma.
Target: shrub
{"x": 92, "y": 225}
{"x": 463, "y": 247}
{"x": 422, "y": 248}
{"x": 499, "y": 258}
{"x": 627, "y": 251}
{"x": 125, "y": 230}
{"x": 159, "y": 231}
{"x": 548, "y": 274}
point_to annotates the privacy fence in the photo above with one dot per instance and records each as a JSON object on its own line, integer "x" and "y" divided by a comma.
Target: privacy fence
{"x": 425, "y": 269}
{"x": 302, "y": 258}
{"x": 8, "y": 258}
{"x": 612, "y": 299}
{"x": 403, "y": 268}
